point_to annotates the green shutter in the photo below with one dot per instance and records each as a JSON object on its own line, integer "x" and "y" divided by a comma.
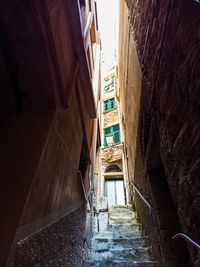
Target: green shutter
{"x": 116, "y": 132}
{"x": 105, "y": 105}
{"x": 113, "y": 130}
{"x": 115, "y": 127}
{"x": 116, "y": 137}
{"x": 107, "y": 131}
{"x": 109, "y": 104}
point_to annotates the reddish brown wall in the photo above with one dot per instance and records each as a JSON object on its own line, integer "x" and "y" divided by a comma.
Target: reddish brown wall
{"x": 55, "y": 184}
{"x": 43, "y": 59}
{"x": 40, "y": 161}
{"x": 167, "y": 39}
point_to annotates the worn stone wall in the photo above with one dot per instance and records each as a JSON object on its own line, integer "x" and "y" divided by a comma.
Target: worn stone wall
{"x": 112, "y": 155}
{"x": 59, "y": 244}
{"x": 130, "y": 86}
{"x": 111, "y": 118}
{"x": 167, "y": 39}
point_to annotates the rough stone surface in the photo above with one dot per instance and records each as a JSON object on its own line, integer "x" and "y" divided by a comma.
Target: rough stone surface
{"x": 60, "y": 244}
{"x": 122, "y": 244}
{"x": 130, "y": 86}
{"x": 167, "y": 40}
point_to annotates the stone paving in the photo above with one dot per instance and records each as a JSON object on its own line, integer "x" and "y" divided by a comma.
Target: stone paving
{"x": 122, "y": 244}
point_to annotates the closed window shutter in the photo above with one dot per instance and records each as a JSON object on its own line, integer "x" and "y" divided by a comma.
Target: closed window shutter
{"x": 105, "y": 143}
{"x": 113, "y": 130}
{"x": 109, "y": 104}
{"x": 107, "y": 131}
{"x": 115, "y": 127}
{"x": 105, "y": 105}
{"x": 112, "y": 104}
{"x": 116, "y": 137}
{"x": 109, "y": 107}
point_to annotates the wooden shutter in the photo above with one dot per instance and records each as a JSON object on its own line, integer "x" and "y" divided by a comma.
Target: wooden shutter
{"x": 109, "y": 104}
{"x": 107, "y": 131}
{"x": 116, "y": 133}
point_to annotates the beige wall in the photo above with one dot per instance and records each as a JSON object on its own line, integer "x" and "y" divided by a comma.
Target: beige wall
{"x": 130, "y": 86}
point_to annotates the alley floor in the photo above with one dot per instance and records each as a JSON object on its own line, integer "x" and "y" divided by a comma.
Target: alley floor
{"x": 122, "y": 244}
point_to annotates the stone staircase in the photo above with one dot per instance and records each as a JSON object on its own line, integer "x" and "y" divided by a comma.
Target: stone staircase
{"x": 122, "y": 244}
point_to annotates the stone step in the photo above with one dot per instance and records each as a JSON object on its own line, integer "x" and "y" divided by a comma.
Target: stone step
{"x": 126, "y": 254}
{"x": 121, "y": 264}
{"x": 118, "y": 234}
{"x": 122, "y": 211}
{"x": 123, "y": 207}
{"x": 104, "y": 243}
{"x": 122, "y": 220}
{"x": 122, "y": 244}
{"x": 125, "y": 227}
{"x": 119, "y": 210}
{"x": 103, "y": 234}
{"x": 127, "y": 234}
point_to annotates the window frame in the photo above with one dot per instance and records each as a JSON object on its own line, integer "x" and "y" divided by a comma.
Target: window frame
{"x": 109, "y": 104}
{"x": 114, "y": 133}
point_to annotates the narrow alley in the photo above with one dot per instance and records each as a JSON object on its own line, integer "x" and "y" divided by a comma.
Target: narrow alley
{"x": 99, "y": 133}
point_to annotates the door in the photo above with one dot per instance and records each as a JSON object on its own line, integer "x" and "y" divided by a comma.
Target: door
{"x": 114, "y": 191}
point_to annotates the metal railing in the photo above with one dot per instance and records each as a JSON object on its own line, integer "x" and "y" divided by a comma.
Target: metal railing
{"x": 143, "y": 199}
{"x": 82, "y": 185}
{"x": 188, "y": 239}
{"x": 178, "y": 235}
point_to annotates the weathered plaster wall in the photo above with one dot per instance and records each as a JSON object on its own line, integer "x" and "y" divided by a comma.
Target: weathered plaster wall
{"x": 130, "y": 86}
{"x": 167, "y": 38}
{"x": 111, "y": 118}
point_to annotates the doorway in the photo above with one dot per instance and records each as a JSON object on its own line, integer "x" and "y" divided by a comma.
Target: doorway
{"x": 114, "y": 191}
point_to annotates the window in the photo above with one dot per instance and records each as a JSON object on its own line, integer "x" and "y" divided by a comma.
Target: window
{"x": 113, "y": 130}
{"x": 108, "y": 84}
{"x": 109, "y": 104}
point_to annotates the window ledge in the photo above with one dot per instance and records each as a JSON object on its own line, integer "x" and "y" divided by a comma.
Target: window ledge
{"x": 114, "y": 145}
{"x": 106, "y": 111}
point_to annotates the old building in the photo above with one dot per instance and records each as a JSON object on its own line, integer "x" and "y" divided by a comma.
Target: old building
{"x": 159, "y": 90}
{"x": 112, "y": 179}
{"x": 49, "y": 94}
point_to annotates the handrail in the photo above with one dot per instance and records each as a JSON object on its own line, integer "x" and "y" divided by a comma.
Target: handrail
{"x": 144, "y": 200}
{"x": 187, "y": 238}
{"x": 83, "y": 187}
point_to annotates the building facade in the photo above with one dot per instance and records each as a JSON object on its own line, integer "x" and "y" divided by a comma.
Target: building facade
{"x": 49, "y": 67}
{"x": 112, "y": 180}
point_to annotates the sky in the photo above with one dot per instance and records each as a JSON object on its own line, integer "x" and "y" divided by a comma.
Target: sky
{"x": 108, "y": 28}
